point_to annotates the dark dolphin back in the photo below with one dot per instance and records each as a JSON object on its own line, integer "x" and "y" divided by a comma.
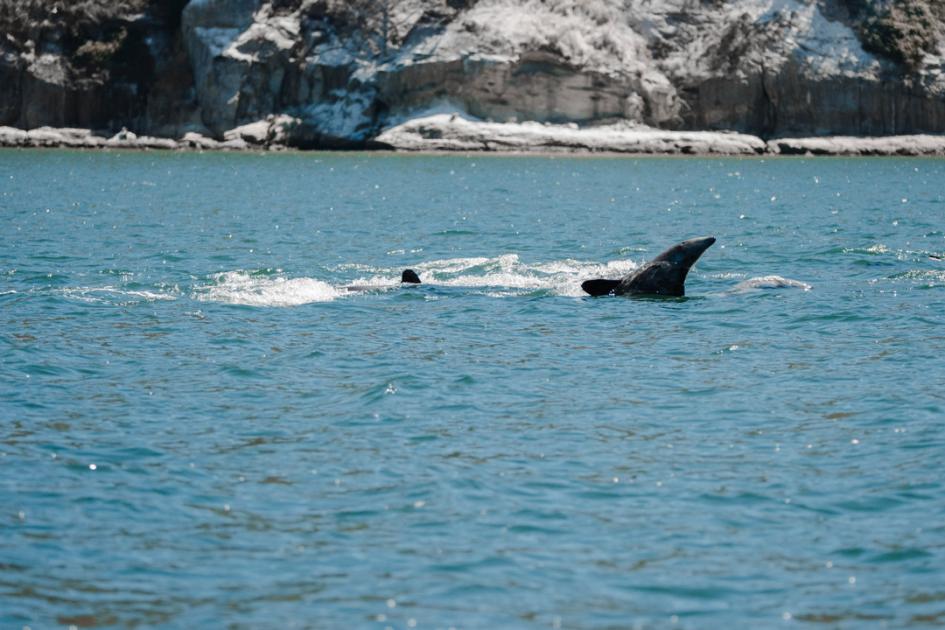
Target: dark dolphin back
{"x": 664, "y": 275}
{"x": 655, "y": 278}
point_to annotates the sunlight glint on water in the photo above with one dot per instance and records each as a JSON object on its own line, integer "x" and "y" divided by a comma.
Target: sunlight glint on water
{"x": 218, "y": 406}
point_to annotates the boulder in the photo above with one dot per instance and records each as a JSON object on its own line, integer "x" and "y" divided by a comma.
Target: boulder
{"x": 252, "y": 133}
{"x": 12, "y": 137}
{"x": 193, "y": 140}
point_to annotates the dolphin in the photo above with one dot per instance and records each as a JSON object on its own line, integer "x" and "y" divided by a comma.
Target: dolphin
{"x": 664, "y": 275}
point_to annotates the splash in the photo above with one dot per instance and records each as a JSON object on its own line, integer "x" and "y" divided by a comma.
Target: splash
{"x": 240, "y": 287}
{"x": 507, "y": 275}
{"x": 501, "y": 276}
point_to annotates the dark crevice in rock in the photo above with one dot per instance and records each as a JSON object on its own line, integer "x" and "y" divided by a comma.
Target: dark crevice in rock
{"x": 768, "y": 109}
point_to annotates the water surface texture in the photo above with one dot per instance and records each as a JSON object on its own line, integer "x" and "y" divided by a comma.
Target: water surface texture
{"x": 200, "y": 426}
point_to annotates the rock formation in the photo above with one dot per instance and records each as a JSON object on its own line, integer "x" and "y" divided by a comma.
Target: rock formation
{"x": 339, "y": 73}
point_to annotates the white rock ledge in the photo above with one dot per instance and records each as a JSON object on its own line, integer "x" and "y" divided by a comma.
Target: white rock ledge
{"x": 847, "y": 145}
{"x": 69, "y": 138}
{"x": 453, "y": 132}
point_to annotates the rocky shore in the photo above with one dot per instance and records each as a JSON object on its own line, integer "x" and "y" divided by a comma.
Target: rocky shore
{"x": 453, "y": 133}
{"x": 631, "y": 76}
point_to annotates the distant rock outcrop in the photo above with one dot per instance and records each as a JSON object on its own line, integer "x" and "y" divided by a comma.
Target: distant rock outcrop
{"x": 338, "y": 73}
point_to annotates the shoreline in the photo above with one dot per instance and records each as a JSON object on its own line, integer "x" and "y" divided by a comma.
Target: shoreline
{"x": 446, "y": 134}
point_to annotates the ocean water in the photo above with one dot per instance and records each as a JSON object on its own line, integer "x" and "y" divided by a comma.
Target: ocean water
{"x": 202, "y": 426}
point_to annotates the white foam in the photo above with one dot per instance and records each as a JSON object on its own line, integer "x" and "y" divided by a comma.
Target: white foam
{"x": 507, "y": 275}
{"x": 109, "y": 294}
{"x": 380, "y": 282}
{"x": 500, "y": 276}
{"x": 769, "y": 282}
{"x": 240, "y": 287}
{"x": 150, "y": 296}
{"x": 455, "y": 265}
{"x": 930, "y": 277}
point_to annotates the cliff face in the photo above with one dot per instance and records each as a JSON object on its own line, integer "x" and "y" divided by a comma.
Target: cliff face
{"x": 93, "y": 63}
{"x": 340, "y": 71}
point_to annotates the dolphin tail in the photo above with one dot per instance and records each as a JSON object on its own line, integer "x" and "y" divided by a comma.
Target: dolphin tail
{"x": 600, "y": 286}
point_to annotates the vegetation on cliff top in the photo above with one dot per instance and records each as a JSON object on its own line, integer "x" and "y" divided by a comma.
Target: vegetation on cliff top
{"x": 904, "y": 31}
{"x": 101, "y": 39}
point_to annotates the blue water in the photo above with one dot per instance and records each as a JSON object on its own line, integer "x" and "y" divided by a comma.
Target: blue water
{"x": 200, "y": 426}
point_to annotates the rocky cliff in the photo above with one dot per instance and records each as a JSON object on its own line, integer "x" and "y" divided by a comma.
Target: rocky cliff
{"x": 329, "y": 73}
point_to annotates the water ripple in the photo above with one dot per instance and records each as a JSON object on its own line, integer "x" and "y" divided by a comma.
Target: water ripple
{"x": 207, "y": 419}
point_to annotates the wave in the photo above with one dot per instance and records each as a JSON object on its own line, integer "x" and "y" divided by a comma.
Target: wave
{"x": 927, "y": 278}
{"x": 116, "y": 295}
{"x": 241, "y": 287}
{"x": 905, "y": 255}
{"x": 501, "y": 276}
{"x": 769, "y": 282}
